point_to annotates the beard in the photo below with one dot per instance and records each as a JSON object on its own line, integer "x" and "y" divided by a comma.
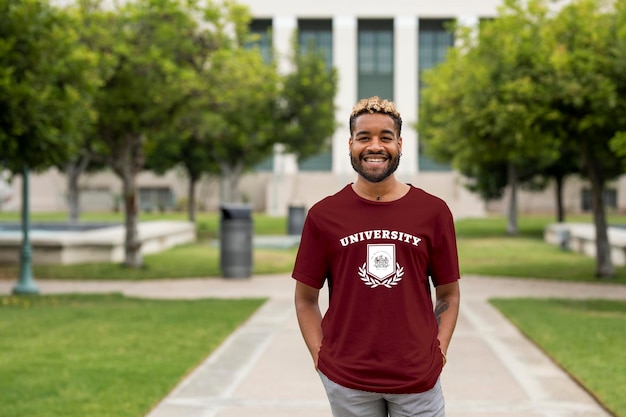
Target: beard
{"x": 375, "y": 175}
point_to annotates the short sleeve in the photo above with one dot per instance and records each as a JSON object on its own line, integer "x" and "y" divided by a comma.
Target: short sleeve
{"x": 311, "y": 266}
{"x": 444, "y": 262}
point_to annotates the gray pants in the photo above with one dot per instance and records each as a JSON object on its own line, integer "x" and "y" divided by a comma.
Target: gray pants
{"x": 346, "y": 402}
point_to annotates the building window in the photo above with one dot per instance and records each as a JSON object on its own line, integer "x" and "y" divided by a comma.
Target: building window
{"x": 609, "y": 196}
{"x": 317, "y": 34}
{"x": 375, "y": 58}
{"x": 262, "y": 30}
{"x": 433, "y": 45}
{"x": 434, "y": 42}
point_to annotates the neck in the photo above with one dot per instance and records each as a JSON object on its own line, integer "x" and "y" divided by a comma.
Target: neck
{"x": 379, "y": 191}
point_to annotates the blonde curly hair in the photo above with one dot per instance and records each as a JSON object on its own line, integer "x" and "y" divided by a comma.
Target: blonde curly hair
{"x": 375, "y": 105}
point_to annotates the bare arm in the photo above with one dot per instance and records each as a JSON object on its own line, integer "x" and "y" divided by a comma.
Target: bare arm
{"x": 309, "y": 318}
{"x": 448, "y": 297}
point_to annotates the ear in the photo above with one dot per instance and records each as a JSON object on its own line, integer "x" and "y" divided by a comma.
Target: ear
{"x": 400, "y": 143}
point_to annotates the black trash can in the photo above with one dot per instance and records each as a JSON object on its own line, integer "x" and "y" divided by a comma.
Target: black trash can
{"x": 295, "y": 220}
{"x": 236, "y": 240}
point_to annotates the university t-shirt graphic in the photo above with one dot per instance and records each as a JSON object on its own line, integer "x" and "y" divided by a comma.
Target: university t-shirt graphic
{"x": 381, "y": 268}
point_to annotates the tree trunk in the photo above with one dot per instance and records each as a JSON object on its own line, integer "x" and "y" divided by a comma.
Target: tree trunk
{"x": 604, "y": 265}
{"x": 191, "y": 199}
{"x": 73, "y": 194}
{"x": 229, "y": 181}
{"x": 73, "y": 171}
{"x": 132, "y": 243}
{"x": 512, "y": 209}
{"x": 127, "y": 161}
{"x": 559, "y": 181}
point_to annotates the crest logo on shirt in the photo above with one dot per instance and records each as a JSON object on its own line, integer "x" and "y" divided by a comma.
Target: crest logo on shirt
{"x": 381, "y": 268}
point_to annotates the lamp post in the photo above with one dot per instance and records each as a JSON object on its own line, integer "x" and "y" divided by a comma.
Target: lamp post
{"x": 26, "y": 283}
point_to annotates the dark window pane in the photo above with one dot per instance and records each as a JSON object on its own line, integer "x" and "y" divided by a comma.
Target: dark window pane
{"x": 434, "y": 42}
{"x": 375, "y": 58}
{"x": 318, "y": 34}
{"x": 262, "y": 29}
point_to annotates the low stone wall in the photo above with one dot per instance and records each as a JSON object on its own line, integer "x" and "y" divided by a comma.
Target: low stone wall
{"x": 581, "y": 238}
{"x": 105, "y": 244}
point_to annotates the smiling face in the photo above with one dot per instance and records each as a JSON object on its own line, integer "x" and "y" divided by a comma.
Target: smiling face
{"x": 375, "y": 146}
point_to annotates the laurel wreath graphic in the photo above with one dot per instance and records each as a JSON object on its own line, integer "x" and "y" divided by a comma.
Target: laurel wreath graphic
{"x": 388, "y": 283}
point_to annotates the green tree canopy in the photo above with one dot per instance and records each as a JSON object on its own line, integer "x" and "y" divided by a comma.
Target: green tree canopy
{"x": 242, "y": 103}
{"x": 588, "y": 94}
{"x": 47, "y": 79}
{"x": 243, "y": 107}
{"x": 534, "y": 85}
{"x": 479, "y": 107}
{"x": 185, "y": 141}
{"x": 143, "y": 45}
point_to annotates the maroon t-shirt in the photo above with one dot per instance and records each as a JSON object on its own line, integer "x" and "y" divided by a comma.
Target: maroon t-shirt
{"x": 380, "y": 331}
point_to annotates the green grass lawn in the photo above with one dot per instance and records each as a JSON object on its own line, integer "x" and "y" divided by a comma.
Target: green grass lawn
{"x": 526, "y": 257}
{"x": 587, "y": 338}
{"x": 484, "y": 249}
{"x": 184, "y": 261}
{"x": 198, "y": 259}
{"x": 104, "y": 355}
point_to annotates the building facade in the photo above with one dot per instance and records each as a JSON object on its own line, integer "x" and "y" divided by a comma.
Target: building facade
{"x": 378, "y": 48}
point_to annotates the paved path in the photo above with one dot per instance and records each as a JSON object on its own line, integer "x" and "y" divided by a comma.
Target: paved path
{"x": 263, "y": 368}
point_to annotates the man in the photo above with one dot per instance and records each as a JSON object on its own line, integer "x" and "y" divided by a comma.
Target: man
{"x": 380, "y": 347}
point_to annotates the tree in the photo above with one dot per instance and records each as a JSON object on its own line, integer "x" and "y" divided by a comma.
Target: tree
{"x": 242, "y": 107}
{"x": 586, "y": 93}
{"x": 184, "y": 145}
{"x": 242, "y": 104}
{"x": 534, "y": 86}
{"x": 84, "y": 160}
{"x": 185, "y": 148}
{"x": 193, "y": 138}
{"x": 567, "y": 164}
{"x": 479, "y": 106}
{"x": 46, "y": 84}
{"x": 90, "y": 29}
{"x": 145, "y": 84}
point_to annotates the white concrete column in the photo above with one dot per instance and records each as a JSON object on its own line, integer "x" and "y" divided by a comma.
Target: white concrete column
{"x": 345, "y": 60}
{"x": 285, "y": 164}
{"x": 283, "y": 28}
{"x": 405, "y": 90}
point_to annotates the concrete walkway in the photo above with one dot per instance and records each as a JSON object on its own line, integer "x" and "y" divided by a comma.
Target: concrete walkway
{"x": 263, "y": 368}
